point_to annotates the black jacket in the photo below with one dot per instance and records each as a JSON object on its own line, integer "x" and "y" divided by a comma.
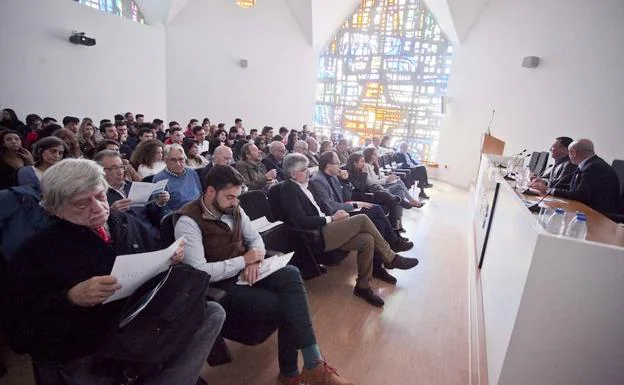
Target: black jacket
{"x": 596, "y": 185}
{"x": 402, "y": 160}
{"x": 564, "y": 168}
{"x": 42, "y": 320}
{"x": 299, "y": 212}
{"x": 271, "y": 163}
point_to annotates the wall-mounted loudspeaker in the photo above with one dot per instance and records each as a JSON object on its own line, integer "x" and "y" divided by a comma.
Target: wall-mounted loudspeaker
{"x": 244, "y": 63}
{"x": 531, "y": 62}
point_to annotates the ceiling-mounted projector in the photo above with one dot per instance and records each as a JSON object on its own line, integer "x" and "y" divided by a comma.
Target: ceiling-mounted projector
{"x": 81, "y": 38}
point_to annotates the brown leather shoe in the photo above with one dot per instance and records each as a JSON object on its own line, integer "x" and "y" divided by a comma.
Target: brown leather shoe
{"x": 323, "y": 374}
{"x": 401, "y": 263}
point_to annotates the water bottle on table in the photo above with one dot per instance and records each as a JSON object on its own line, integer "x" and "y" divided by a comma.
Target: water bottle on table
{"x": 556, "y": 224}
{"x": 578, "y": 227}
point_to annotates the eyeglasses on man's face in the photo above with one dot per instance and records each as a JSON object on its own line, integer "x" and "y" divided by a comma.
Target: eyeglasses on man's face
{"x": 115, "y": 168}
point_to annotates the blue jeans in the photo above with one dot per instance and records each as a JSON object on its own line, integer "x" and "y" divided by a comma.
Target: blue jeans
{"x": 280, "y": 298}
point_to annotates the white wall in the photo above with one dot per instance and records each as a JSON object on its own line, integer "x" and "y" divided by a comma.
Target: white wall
{"x": 577, "y": 91}
{"x": 41, "y": 72}
{"x": 204, "y": 44}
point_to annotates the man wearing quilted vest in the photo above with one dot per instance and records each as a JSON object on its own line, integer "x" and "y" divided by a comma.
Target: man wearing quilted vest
{"x": 221, "y": 241}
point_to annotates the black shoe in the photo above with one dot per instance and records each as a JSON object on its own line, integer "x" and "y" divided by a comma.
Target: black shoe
{"x": 382, "y": 274}
{"x": 402, "y": 245}
{"x": 401, "y": 230}
{"x": 428, "y": 185}
{"x": 400, "y": 237}
{"x": 369, "y": 296}
{"x": 423, "y": 195}
{"x": 401, "y": 263}
{"x": 406, "y": 205}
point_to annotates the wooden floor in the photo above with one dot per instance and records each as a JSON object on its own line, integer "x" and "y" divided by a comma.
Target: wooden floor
{"x": 421, "y": 336}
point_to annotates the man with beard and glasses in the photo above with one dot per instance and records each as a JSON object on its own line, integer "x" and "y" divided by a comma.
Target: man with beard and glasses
{"x": 221, "y": 241}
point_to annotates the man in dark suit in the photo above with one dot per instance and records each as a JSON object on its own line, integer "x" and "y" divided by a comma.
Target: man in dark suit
{"x": 332, "y": 195}
{"x": 273, "y": 161}
{"x": 563, "y": 168}
{"x": 339, "y": 231}
{"x": 417, "y": 171}
{"x": 595, "y": 183}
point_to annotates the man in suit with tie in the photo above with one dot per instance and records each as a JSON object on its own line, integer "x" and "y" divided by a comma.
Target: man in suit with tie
{"x": 563, "y": 167}
{"x": 338, "y": 231}
{"x": 332, "y": 195}
{"x": 595, "y": 183}
{"x": 419, "y": 172}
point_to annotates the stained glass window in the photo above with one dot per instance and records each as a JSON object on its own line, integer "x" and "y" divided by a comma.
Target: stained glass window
{"x": 385, "y": 72}
{"x": 123, "y": 8}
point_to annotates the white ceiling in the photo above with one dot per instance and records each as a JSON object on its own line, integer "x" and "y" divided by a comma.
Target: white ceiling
{"x": 320, "y": 19}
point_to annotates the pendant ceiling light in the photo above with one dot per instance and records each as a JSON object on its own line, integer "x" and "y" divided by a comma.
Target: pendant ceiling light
{"x": 245, "y": 3}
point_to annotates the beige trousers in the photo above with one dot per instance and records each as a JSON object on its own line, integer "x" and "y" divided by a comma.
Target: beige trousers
{"x": 360, "y": 234}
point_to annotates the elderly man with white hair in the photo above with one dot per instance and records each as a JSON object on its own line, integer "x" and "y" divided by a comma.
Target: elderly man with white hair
{"x": 273, "y": 161}
{"x": 301, "y": 147}
{"x": 183, "y": 182}
{"x": 60, "y": 279}
{"x": 595, "y": 183}
{"x": 339, "y": 231}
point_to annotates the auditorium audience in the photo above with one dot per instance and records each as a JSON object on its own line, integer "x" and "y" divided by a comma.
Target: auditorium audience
{"x": 220, "y": 138}
{"x": 342, "y": 150}
{"x": 221, "y": 241}
{"x": 199, "y": 134}
{"x": 563, "y": 169}
{"x": 119, "y": 188}
{"x": 301, "y": 147}
{"x": 71, "y": 123}
{"x": 417, "y": 171}
{"x": 183, "y": 183}
{"x": 71, "y": 143}
{"x": 60, "y": 277}
{"x": 253, "y": 170}
{"x": 33, "y": 123}
{"x": 356, "y": 167}
{"x": 261, "y": 143}
{"x": 326, "y": 145}
{"x": 390, "y": 182}
{"x": 10, "y": 120}
{"x": 193, "y": 159}
{"x": 339, "y": 231}
{"x": 147, "y": 159}
{"x": 273, "y": 161}
{"x": 86, "y": 139}
{"x": 267, "y": 132}
{"x": 46, "y": 153}
{"x": 176, "y": 136}
{"x": 595, "y": 183}
{"x": 12, "y": 157}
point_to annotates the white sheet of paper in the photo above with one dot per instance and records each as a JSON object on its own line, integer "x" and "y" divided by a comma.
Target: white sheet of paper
{"x": 262, "y": 224}
{"x": 133, "y": 270}
{"x": 140, "y": 192}
{"x": 268, "y": 266}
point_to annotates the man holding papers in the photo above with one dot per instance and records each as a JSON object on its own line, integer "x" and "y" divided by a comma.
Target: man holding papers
{"x": 60, "y": 278}
{"x": 118, "y": 193}
{"x": 221, "y": 240}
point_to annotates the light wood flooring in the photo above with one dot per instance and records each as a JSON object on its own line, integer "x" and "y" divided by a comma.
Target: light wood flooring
{"x": 421, "y": 336}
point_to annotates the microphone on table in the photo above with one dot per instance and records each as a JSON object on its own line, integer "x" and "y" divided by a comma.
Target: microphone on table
{"x": 509, "y": 176}
{"x": 534, "y": 208}
{"x": 530, "y": 192}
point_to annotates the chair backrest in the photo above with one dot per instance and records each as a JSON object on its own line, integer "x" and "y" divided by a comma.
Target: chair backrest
{"x": 255, "y": 204}
{"x": 618, "y": 166}
{"x": 533, "y": 162}
{"x": 275, "y": 198}
{"x": 542, "y": 162}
